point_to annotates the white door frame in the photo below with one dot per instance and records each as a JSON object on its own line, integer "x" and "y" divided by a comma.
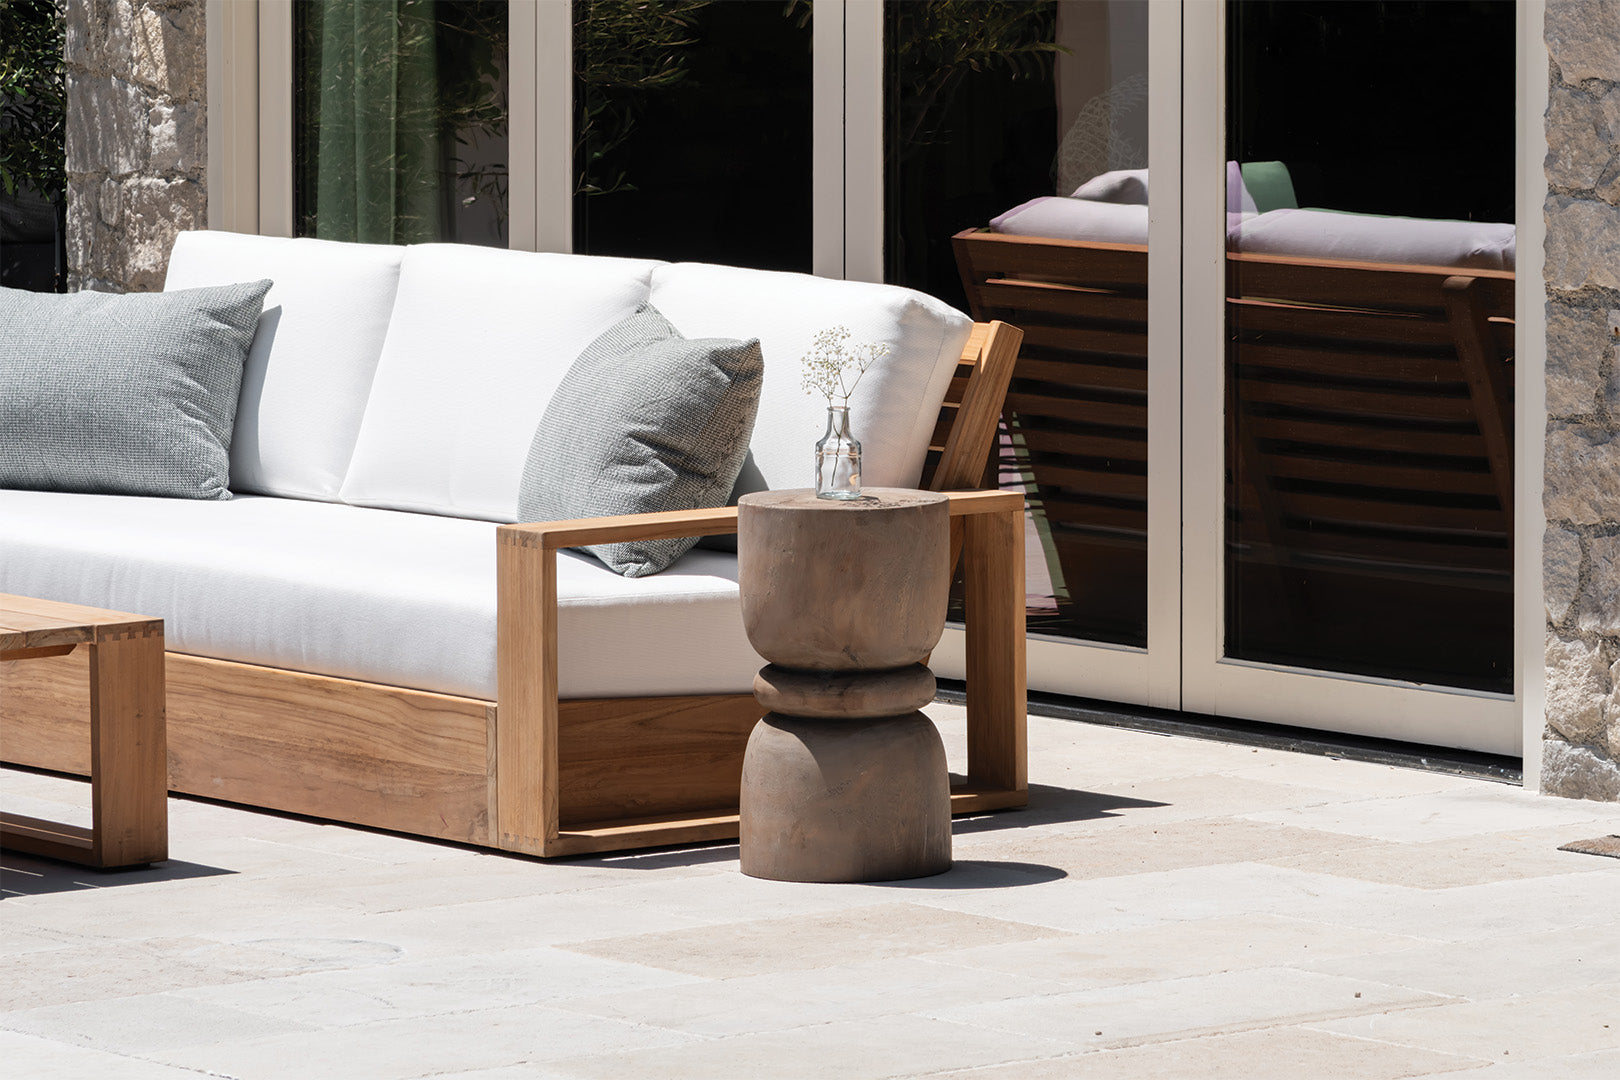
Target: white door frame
{"x": 1212, "y": 682}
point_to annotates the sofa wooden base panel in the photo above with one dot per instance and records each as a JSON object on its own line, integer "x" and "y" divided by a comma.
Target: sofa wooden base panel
{"x": 634, "y": 772}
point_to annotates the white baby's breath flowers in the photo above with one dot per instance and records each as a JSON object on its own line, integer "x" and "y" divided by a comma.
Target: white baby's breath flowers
{"x": 831, "y": 361}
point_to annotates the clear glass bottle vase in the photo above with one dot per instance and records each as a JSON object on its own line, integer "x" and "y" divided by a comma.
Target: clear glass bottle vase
{"x": 838, "y": 458}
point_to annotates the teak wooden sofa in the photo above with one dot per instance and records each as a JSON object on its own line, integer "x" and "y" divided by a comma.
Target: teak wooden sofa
{"x": 530, "y": 771}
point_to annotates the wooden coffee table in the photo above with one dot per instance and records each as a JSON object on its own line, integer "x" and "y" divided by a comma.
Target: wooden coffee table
{"x": 129, "y": 776}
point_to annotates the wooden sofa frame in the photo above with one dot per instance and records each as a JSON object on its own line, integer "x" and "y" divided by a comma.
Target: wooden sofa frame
{"x": 529, "y": 772}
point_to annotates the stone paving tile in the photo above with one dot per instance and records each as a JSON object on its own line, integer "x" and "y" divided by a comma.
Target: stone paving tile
{"x": 1356, "y": 780}
{"x": 1526, "y": 964}
{"x": 1287, "y": 1053}
{"x": 1108, "y": 806}
{"x": 800, "y": 943}
{"x": 1134, "y": 1013}
{"x": 1178, "y": 950}
{"x": 28, "y": 1057}
{"x": 103, "y": 970}
{"x": 1444, "y": 864}
{"x": 340, "y": 998}
{"x": 143, "y": 1024}
{"x": 1598, "y": 1065}
{"x": 1493, "y": 913}
{"x": 781, "y": 1000}
{"x": 1198, "y": 892}
{"x": 1139, "y": 849}
{"x": 1505, "y": 1030}
{"x": 1483, "y": 808}
{"x": 401, "y": 1049}
{"x": 855, "y": 1050}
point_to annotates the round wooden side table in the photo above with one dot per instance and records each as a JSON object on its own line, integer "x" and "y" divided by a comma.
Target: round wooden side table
{"x": 844, "y": 779}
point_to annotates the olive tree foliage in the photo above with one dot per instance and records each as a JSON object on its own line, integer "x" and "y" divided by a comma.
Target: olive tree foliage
{"x": 32, "y": 97}
{"x": 939, "y": 45}
{"x": 623, "y": 49}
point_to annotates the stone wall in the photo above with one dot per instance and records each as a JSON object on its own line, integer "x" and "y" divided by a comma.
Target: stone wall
{"x": 136, "y": 138}
{"x": 1581, "y": 744}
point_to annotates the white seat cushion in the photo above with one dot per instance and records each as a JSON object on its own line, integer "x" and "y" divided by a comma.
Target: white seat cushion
{"x": 1058, "y": 218}
{"x": 480, "y": 339}
{"x": 376, "y": 595}
{"x": 893, "y": 412}
{"x": 1334, "y": 234}
{"x": 308, "y": 375}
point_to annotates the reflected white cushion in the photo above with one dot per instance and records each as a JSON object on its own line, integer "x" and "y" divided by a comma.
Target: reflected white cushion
{"x": 1331, "y": 234}
{"x": 1060, "y": 218}
{"x": 1118, "y": 186}
{"x": 306, "y": 379}
{"x": 377, "y": 595}
{"x": 895, "y": 408}
{"x": 480, "y": 339}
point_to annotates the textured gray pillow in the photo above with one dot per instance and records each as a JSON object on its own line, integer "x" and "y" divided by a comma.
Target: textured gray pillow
{"x": 645, "y": 421}
{"x": 123, "y": 395}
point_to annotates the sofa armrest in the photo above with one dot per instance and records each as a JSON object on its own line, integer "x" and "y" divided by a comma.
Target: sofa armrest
{"x": 990, "y": 524}
{"x": 552, "y": 535}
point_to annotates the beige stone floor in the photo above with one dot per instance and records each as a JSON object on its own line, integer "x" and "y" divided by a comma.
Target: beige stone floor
{"x": 1167, "y": 908}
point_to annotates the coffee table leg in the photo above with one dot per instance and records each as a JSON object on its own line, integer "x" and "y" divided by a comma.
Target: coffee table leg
{"x": 129, "y": 767}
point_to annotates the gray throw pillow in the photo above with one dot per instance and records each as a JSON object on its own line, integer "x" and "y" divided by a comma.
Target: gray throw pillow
{"x": 645, "y": 421}
{"x": 123, "y": 395}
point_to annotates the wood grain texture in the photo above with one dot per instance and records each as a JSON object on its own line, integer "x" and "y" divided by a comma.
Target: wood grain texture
{"x": 993, "y": 600}
{"x": 526, "y": 762}
{"x": 129, "y": 788}
{"x": 308, "y": 744}
{"x": 633, "y": 758}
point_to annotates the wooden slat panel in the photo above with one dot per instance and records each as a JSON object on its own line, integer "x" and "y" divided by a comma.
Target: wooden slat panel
{"x": 1461, "y": 444}
{"x": 1049, "y": 298}
{"x": 1353, "y": 508}
{"x": 1070, "y": 512}
{"x": 1062, "y": 261}
{"x": 1404, "y": 329}
{"x": 646, "y": 757}
{"x": 1088, "y": 339}
{"x": 1082, "y": 444}
{"x": 1098, "y": 413}
{"x": 1364, "y": 402}
{"x": 1075, "y": 373}
{"x": 1416, "y": 479}
{"x": 1347, "y": 363}
{"x": 1349, "y": 284}
{"x": 1092, "y": 481}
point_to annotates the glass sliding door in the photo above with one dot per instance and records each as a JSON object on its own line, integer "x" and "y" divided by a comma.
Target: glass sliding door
{"x": 692, "y": 125}
{"x": 400, "y": 111}
{"x": 1352, "y": 369}
{"x": 1016, "y": 187}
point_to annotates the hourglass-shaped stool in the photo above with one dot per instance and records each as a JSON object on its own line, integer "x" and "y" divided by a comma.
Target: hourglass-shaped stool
{"x": 844, "y": 779}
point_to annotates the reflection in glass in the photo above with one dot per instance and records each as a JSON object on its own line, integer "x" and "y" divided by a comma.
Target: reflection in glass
{"x": 1370, "y": 339}
{"x": 400, "y": 121}
{"x": 692, "y": 131}
{"x": 1016, "y": 188}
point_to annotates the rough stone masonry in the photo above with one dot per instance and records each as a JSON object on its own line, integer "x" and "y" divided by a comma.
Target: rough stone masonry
{"x": 137, "y": 142}
{"x": 1581, "y": 560}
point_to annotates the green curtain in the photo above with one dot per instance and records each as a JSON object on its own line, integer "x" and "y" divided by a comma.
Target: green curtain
{"x": 372, "y": 149}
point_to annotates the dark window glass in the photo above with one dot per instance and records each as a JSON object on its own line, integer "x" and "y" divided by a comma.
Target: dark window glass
{"x": 1369, "y": 363}
{"x": 400, "y": 121}
{"x": 692, "y": 131}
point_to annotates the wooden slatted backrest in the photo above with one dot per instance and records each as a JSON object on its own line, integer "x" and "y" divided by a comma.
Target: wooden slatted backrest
{"x": 1373, "y": 414}
{"x": 963, "y": 437}
{"x": 1077, "y": 404}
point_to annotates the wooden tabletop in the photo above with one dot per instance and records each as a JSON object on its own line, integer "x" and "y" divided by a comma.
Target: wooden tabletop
{"x": 26, "y": 623}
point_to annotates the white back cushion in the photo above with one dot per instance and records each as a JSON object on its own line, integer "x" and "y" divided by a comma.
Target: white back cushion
{"x": 1333, "y": 234}
{"x": 480, "y": 339}
{"x": 897, "y": 403}
{"x": 307, "y": 377}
